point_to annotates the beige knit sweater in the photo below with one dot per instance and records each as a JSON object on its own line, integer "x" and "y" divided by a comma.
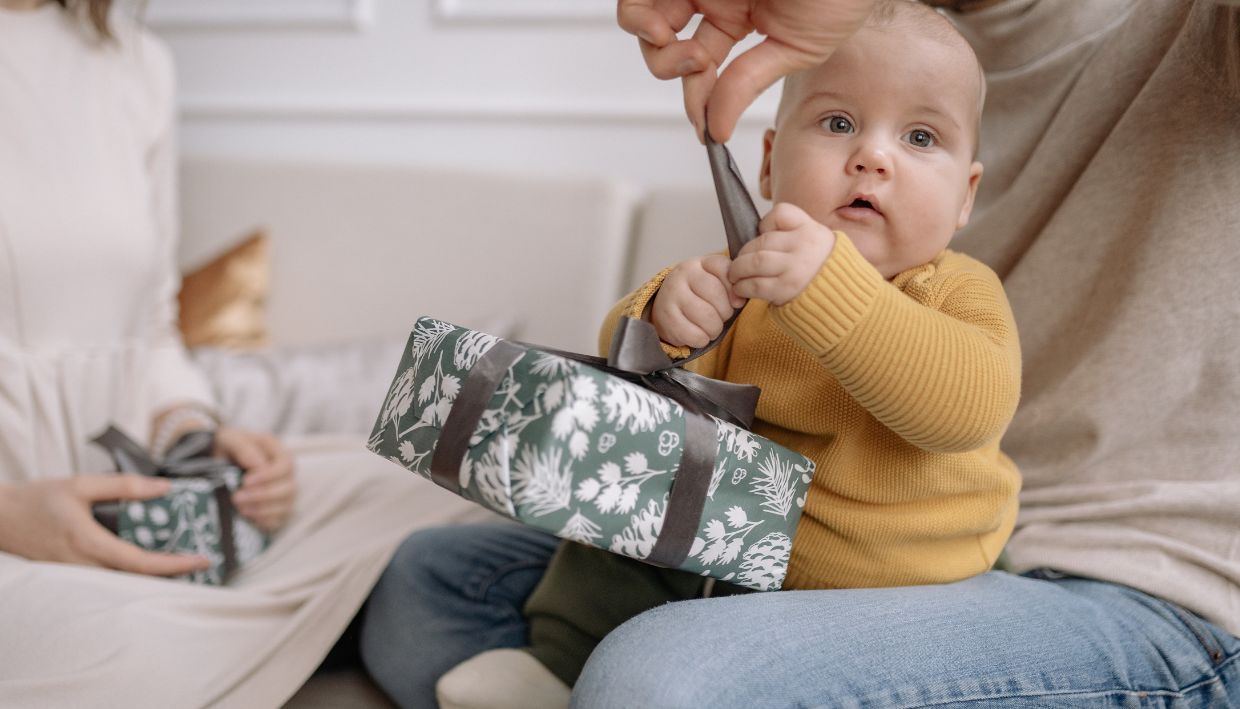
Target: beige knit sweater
{"x": 1111, "y": 208}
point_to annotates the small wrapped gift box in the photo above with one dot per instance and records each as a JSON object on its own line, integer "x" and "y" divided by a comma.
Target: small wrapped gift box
{"x": 587, "y": 451}
{"x": 196, "y": 517}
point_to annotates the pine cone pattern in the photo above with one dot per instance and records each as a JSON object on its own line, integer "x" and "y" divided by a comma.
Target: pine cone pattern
{"x": 582, "y": 454}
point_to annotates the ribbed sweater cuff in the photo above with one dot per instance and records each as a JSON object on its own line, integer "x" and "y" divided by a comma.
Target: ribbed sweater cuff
{"x": 637, "y": 307}
{"x": 844, "y": 290}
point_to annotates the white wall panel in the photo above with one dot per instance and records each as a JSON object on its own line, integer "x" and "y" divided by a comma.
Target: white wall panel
{"x": 515, "y": 85}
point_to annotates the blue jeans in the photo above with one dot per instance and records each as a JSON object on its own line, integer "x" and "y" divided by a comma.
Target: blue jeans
{"x": 448, "y": 594}
{"x": 997, "y": 640}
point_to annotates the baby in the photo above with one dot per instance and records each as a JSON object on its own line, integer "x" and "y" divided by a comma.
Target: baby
{"x": 888, "y": 359}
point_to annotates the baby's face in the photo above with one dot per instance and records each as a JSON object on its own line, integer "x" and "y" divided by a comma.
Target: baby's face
{"x": 878, "y": 143}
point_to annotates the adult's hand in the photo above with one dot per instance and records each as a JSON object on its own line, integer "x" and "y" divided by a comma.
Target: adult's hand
{"x": 50, "y": 520}
{"x": 799, "y": 34}
{"x": 268, "y": 488}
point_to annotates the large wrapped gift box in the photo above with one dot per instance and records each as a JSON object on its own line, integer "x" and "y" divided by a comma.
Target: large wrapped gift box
{"x": 197, "y": 515}
{"x": 591, "y": 456}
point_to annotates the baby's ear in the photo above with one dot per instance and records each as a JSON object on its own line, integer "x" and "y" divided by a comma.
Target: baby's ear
{"x": 975, "y": 177}
{"x": 764, "y": 177}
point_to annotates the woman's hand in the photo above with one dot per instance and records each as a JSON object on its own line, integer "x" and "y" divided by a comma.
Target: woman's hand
{"x": 694, "y": 301}
{"x": 268, "y": 487}
{"x": 51, "y": 520}
{"x": 799, "y": 34}
{"x": 780, "y": 263}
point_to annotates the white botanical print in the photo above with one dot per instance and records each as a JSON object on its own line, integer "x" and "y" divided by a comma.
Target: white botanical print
{"x": 541, "y": 484}
{"x": 716, "y": 476}
{"x": 766, "y": 562}
{"x": 551, "y": 367}
{"x": 470, "y": 348}
{"x": 409, "y": 455}
{"x": 592, "y": 458}
{"x": 668, "y": 440}
{"x": 637, "y": 540}
{"x": 400, "y": 397}
{"x": 428, "y": 334}
{"x": 739, "y": 442}
{"x": 629, "y": 406}
{"x": 437, "y": 391}
{"x": 511, "y": 412}
{"x": 606, "y": 441}
{"x": 616, "y": 490}
{"x": 575, "y": 413}
{"x": 489, "y": 474}
{"x": 579, "y": 528}
{"x": 197, "y": 531}
{"x": 723, "y": 545}
{"x": 776, "y": 483}
{"x": 188, "y": 520}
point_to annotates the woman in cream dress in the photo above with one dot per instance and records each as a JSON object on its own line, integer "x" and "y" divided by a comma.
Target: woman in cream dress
{"x": 87, "y": 338}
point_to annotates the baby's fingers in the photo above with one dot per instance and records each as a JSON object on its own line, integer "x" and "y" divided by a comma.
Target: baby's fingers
{"x": 784, "y": 217}
{"x": 758, "y": 263}
{"x": 718, "y": 290}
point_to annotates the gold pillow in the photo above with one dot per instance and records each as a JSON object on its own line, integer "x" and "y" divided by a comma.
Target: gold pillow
{"x": 222, "y": 302}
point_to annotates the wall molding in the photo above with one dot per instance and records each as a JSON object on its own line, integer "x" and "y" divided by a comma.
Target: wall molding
{"x": 222, "y": 108}
{"x": 531, "y": 10}
{"x": 355, "y": 15}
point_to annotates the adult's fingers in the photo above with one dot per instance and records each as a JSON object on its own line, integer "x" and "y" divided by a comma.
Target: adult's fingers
{"x": 717, "y": 38}
{"x": 126, "y": 486}
{"x": 654, "y": 21}
{"x": 269, "y": 516}
{"x": 676, "y": 59}
{"x": 742, "y": 81}
{"x": 282, "y": 488}
{"x": 242, "y": 448}
{"x": 103, "y": 548}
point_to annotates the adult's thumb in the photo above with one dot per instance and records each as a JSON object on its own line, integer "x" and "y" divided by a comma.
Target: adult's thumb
{"x": 126, "y": 486}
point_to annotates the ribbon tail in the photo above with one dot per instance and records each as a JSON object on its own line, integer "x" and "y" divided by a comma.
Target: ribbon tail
{"x": 635, "y": 348}
{"x": 740, "y": 216}
{"x": 730, "y": 401}
{"x": 128, "y": 456}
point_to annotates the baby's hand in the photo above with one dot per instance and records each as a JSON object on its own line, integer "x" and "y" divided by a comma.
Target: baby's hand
{"x": 694, "y": 302}
{"x": 777, "y": 265}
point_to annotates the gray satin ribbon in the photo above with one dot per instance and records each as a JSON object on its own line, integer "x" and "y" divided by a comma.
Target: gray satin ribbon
{"x": 471, "y": 401}
{"x": 635, "y": 354}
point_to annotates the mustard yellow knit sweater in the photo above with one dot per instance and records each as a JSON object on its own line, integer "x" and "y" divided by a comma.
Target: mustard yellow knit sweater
{"x": 900, "y": 391}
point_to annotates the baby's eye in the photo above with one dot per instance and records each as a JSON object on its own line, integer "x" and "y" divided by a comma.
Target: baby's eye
{"x": 920, "y": 138}
{"x": 837, "y": 124}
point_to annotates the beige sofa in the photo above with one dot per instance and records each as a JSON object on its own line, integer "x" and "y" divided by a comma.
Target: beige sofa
{"x": 359, "y": 252}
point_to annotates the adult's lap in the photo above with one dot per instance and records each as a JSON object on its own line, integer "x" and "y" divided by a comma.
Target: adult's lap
{"x": 995, "y": 640}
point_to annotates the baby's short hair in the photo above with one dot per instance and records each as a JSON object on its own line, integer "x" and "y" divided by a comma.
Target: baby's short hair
{"x": 933, "y": 23}
{"x": 926, "y": 20}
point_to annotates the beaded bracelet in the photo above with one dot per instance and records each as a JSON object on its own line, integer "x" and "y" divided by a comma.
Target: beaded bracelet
{"x": 179, "y": 420}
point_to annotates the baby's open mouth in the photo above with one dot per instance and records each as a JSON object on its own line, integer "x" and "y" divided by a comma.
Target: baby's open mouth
{"x": 861, "y": 209}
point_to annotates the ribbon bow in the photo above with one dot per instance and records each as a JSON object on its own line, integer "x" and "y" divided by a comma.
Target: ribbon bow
{"x": 189, "y": 457}
{"x": 635, "y": 350}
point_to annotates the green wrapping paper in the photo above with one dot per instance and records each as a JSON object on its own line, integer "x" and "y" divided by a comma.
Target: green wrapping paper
{"x": 590, "y": 456}
{"x": 195, "y": 517}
